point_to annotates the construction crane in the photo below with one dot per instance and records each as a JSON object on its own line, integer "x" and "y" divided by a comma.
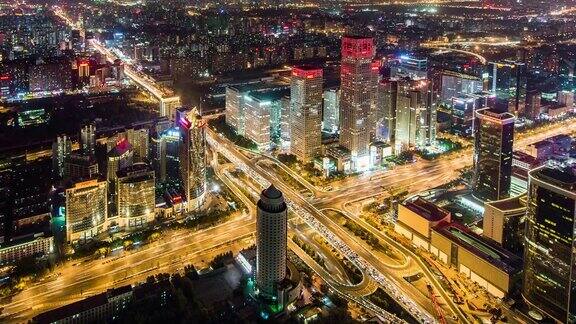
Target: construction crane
{"x": 439, "y": 312}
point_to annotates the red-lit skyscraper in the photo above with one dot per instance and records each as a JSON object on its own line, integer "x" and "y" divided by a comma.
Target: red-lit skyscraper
{"x": 356, "y": 96}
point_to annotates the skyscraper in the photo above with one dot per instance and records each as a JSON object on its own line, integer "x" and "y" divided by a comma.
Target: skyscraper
{"x": 411, "y": 67}
{"x": 549, "y": 280}
{"x": 356, "y": 97}
{"x": 88, "y": 139}
{"x": 386, "y": 112}
{"x": 306, "y": 112}
{"x": 61, "y": 149}
{"x": 508, "y": 82}
{"x": 331, "y": 110}
{"x": 493, "y": 136}
{"x": 139, "y": 139}
{"x": 166, "y": 155}
{"x": 136, "y": 196}
{"x": 415, "y": 115}
{"x": 86, "y": 209}
{"x": 119, "y": 157}
{"x": 271, "y": 242}
{"x": 192, "y": 156}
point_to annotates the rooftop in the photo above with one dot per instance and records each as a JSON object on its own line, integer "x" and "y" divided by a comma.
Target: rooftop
{"x": 563, "y": 176}
{"x": 269, "y": 94}
{"x": 507, "y": 204}
{"x": 427, "y": 210}
{"x": 504, "y": 117}
{"x": 136, "y": 168}
{"x": 81, "y": 305}
{"x": 272, "y": 193}
{"x": 490, "y": 252}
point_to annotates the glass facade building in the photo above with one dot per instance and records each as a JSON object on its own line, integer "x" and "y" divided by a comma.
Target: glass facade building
{"x": 356, "y": 95}
{"x": 507, "y": 81}
{"x": 86, "y": 209}
{"x": 192, "y": 156}
{"x": 549, "y": 279}
{"x": 494, "y": 137}
{"x": 306, "y": 112}
{"x": 136, "y": 196}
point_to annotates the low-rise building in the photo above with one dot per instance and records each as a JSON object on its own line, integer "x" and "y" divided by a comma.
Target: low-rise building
{"x": 416, "y": 219}
{"x": 37, "y": 245}
{"x": 101, "y": 308}
{"x": 485, "y": 263}
{"x": 429, "y": 227}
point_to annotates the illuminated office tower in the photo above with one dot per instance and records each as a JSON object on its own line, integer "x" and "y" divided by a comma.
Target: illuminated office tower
{"x": 386, "y": 112}
{"x": 549, "y": 283}
{"x": 257, "y": 120}
{"x": 79, "y": 166}
{"x": 139, "y": 139}
{"x": 61, "y": 149}
{"x": 455, "y": 85}
{"x": 86, "y": 210}
{"x": 235, "y": 109}
{"x": 356, "y": 97}
{"x": 285, "y": 119}
{"x": 271, "y": 242}
{"x": 411, "y": 67}
{"x": 493, "y": 136}
{"x": 119, "y": 157}
{"x": 136, "y": 196}
{"x": 415, "y": 115}
{"x": 168, "y": 155}
{"x": 192, "y": 156}
{"x": 306, "y": 112}
{"x": 168, "y": 106}
{"x": 507, "y": 81}
{"x": 88, "y": 139}
{"x": 331, "y": 110}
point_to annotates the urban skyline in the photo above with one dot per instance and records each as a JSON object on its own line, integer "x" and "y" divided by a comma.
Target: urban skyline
{"x": 305, "y": 162}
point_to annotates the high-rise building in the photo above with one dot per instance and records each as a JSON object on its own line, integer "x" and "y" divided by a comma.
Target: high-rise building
{"x": 86, "y": 209}
{"x": 167, "y": 155}
{"x": 306, "y": 112}
{"x": 331, "y": 110}
{"x": 168, "y": 106}
{"x": 235, "y": 109}
{"x": 504, "y": 222}
{"x": 271, "y": 242}
{"x": 533, "y": 104}
{"x": 549, "y": 284}
{"x": 88, "y": 139}
{"x": 386, "y": 112}
{"x": 80, "y": 166}
{"x": 411, "y": 67}
{"x": 192, "y": 156}
{"x": 455, "y": 85}
{"x": 285, "y": 119}
{"x": 136, "y": 196}
{"x": 415, "y": 115}
{"x": 507, "y": 80}
{"x": 263, "y": 113}
{"x": 139, "y": 139}
{"x": 356, "y": 97}
{"x": 61, "y": 149}
{"x": 494, "y": 136}
{"x": 119, "y": 157}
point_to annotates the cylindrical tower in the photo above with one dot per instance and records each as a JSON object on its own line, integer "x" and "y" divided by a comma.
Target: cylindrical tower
{"x": 271, "y": 242}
